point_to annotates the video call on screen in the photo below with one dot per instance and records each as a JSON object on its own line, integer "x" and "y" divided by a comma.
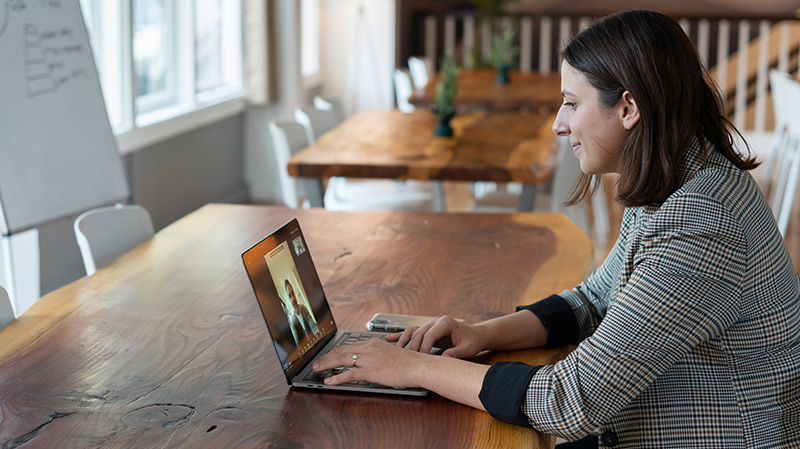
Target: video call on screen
{"x": 291, "y": 296}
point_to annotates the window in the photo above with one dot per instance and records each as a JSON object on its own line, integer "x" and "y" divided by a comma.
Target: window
{"x": 153, "y": 49}
{"x": 159, "y": 60}
{"x": 218, "y": 47}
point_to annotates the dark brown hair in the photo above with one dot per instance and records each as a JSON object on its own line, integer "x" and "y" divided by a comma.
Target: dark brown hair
{"x": 649, "y": 55}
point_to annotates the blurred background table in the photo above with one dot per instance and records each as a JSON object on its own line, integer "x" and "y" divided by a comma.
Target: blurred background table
{"x": 478, "y": 89}
{"x": 486, "y": 146}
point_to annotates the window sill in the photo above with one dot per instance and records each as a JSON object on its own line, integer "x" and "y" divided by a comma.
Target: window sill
{"x": 161, "y": 125}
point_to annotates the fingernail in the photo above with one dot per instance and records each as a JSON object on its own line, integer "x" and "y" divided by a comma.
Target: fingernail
{"x": 315, "y": 365}
{"x": 328, "y": 380}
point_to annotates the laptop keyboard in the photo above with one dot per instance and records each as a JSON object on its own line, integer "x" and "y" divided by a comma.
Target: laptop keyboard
{"x": 347, "y": 338}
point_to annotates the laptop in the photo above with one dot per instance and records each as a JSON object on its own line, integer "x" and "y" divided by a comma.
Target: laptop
{"x": 297, "y": 313}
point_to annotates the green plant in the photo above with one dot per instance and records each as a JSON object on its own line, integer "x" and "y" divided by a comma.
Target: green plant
{"x": 503, "y": 49}
{"x": 491, "y": 8}
{"x": 447, "y": 88}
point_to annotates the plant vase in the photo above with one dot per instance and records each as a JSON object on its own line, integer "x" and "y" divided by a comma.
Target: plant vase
{"x": 502, "y": 75}
{"x": 443, "y": 129}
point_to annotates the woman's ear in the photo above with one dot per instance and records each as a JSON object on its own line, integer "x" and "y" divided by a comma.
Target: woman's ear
{"x": 629, "y": 111}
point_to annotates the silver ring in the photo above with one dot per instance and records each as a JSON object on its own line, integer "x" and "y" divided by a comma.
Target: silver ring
{"x": 355, "y": 359}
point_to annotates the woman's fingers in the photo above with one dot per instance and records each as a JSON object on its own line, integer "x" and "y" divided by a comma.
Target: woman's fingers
{"x": 433, "y": 329}
{"x": 405, "y": 337}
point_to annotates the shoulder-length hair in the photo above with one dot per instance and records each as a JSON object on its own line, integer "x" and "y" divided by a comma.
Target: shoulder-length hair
{"x": 649, "y": 55}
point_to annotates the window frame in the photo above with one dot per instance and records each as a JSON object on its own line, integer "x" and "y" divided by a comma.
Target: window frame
{"x": 143, "y": 123}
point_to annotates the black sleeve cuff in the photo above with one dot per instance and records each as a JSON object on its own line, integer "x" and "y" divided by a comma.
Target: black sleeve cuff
{"x": 504, "y": 389}
{"x": 557, "y": 317}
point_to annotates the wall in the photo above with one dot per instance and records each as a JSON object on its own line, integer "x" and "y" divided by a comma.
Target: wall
{"x": 358, "y": 52}
{"x": 260, "y": 171}
{"x": 357, "y": 58}
{"x": 170, "y": 179}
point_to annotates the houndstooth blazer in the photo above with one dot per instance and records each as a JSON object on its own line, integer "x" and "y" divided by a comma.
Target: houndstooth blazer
{"x": 689, "y": 332}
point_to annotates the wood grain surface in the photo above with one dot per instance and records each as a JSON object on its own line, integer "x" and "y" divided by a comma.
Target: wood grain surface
{"x": 497, "y": 147}
{"x": 166, "y": 346}
{"x": 531, "y": 91}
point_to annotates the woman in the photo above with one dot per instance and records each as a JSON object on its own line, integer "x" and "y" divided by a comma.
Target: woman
{"x": 689, "y": 333}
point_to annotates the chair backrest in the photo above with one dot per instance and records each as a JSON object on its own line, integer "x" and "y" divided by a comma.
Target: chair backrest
{"x": 402, "y": 90}
{"x": 568, "y": 168}
{"x": 788, "y": 167}
{"x": 6, "y": 309}
{"x": 421, "y": 70}
{"x": 779, "y": 83}
{"x": 288, "y": 138}
{"x": 105, "y": 233}
{"x": 330, "y": 104}
{"x": 316, "y": 121}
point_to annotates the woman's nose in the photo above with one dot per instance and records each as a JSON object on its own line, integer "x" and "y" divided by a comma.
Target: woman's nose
{"x": 560, "y": 125}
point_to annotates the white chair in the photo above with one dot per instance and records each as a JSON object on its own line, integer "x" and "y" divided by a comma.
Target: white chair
{"x": 316, "y": 121}
{"x": 288, "y": 138}
{"x": 403, "y": 90}
{"x": 566, "y": 172}
{"x": 783, "y": 169}
{"x": 778, "y": 83}
{"x": 421, "y": 69}
{"x": 330, "y": 104}
{"x": 105, "y": 233}
{"x": 6, "y": 309}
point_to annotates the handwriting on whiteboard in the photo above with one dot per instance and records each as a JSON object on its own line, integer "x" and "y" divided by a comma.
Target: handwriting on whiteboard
{"x": 51, "y": 59}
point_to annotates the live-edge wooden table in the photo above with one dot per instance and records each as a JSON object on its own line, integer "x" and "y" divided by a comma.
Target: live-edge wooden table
{"x": 166, "y": 347}
{"x": 486, "y": 146}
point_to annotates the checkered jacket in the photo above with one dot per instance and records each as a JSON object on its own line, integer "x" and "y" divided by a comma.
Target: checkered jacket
{"x": 689, "y": 332}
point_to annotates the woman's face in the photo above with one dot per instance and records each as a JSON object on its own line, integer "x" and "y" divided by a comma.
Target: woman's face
{"x": 596, "y": 132}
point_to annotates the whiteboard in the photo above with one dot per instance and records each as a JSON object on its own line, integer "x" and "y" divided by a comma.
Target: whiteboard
{"x": 58, "y": 155}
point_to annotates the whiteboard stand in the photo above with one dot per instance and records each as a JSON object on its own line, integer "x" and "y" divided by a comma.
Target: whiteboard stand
{"x": 20, "y": 272}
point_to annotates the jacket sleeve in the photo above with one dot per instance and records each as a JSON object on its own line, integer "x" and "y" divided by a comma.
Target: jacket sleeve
{"x": 589, "y": 300}
{"x": 683, "y": 289}
{"x": 505, "y": 384}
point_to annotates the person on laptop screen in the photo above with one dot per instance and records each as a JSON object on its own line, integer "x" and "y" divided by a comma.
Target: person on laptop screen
{"x": 688, "y": 335}
{"x": 301, "y": 320}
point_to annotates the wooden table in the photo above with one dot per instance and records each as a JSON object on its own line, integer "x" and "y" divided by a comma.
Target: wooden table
{"x": 166, "y": 346}
{"x": 478, "y": 88}
{"x": 498, "y": 147}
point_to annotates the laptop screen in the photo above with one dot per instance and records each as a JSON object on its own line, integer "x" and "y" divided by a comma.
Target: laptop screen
{"x": 290, "y": 295}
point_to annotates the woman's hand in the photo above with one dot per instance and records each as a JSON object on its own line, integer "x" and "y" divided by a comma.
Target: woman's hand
{"x": 391, "y": 365}
{"x": 377, "y": 361}
{"x": 460, "y": 340}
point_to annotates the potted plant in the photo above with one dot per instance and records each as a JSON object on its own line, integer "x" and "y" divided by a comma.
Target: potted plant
{"x": 491, "y": 8}
{"x": 446, "y": 90}
{"x": 503, "y": 53}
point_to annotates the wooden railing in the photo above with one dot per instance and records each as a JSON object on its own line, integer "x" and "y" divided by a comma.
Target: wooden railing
{"x": 746, "y": 49}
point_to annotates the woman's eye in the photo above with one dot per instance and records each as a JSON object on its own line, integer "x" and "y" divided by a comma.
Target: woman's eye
{"x": 569, "y": 104}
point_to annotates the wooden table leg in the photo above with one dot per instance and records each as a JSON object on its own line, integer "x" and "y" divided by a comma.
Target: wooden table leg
{"x": 438, "y": 198}
{"x": 314, "y": 191}
{"x": 527, "y": 198}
